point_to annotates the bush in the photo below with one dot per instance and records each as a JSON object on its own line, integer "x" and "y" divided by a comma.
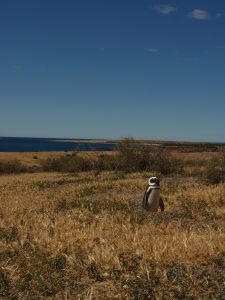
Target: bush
{"x": 130, "y": 156}
{"x": 133, "y": 156}
{"x": 71, "y": 163}
{"x": 13, "y": 166}
{"x": 164, "y": 163}
{"x": 215, "y": 171}
{"x": 106, "y": 162}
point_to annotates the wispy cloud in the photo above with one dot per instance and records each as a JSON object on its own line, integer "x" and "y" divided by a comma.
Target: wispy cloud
{"x": 199, "y": 14}
{"x": 219, "y": 16}
{"x": 152, "y": 50}
{"x": 164, "y": 9}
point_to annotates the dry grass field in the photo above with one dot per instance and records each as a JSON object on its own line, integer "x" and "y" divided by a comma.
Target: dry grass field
{"x": 28, "y": 158}
{"x": 84, "y": 235}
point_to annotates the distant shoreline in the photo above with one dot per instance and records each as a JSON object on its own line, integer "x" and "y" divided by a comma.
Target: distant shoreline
{"x": 10, "y": 144}
{"x": 82, "y": 141}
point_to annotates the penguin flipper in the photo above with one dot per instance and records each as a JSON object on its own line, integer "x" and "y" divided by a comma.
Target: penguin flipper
{"x": 145, "y": 198}
{"x": 161, "y": 204}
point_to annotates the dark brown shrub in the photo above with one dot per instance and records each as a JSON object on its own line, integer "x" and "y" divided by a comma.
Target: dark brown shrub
{"x": 215, "y": 171}
{"x": 130, "y": 156}
{"x": 14, "y": 166}
{"x": 71, "y": 163}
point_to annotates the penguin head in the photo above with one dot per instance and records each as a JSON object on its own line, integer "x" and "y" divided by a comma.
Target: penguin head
{"x": 154, "y": 181}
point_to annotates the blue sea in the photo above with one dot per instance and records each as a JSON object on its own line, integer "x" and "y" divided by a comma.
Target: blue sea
{"x": 19, "y": 144}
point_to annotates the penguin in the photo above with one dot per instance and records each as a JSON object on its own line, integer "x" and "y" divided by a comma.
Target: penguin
{"x": 152, "y": 200}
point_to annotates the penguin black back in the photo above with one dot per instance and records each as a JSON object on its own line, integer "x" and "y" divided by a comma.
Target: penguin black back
{"x": 152, "y": 200}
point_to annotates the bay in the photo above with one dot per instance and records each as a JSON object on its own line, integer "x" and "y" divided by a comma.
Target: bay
{"x": 21, "y": 144}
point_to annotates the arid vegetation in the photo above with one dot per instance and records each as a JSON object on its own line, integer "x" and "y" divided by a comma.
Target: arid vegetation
{"x": 73, "y": 228}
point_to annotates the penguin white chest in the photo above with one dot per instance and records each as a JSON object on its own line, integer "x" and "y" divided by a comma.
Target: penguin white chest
{"x": 153, "y": 200}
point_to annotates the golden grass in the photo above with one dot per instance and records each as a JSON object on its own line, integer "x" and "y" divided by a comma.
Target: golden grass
{"x": 29, "y": 158}
{"x": 84, "y": 236}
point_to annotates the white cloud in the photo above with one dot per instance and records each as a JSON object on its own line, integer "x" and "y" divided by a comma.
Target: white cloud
{"x": 164, "y": 9}
{"x": 199, "y": 14}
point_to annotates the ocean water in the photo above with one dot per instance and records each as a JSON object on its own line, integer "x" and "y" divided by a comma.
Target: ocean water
{"x": 15, "y": 144}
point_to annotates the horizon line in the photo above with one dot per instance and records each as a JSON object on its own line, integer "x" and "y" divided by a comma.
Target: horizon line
{"x": 119, "y": 139}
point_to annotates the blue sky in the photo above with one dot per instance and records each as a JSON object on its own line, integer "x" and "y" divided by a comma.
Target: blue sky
{"x": 113, "y": 69}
